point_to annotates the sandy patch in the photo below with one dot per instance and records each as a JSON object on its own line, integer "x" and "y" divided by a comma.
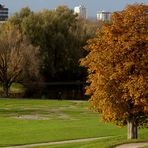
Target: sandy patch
{"x": 31, "y": 117}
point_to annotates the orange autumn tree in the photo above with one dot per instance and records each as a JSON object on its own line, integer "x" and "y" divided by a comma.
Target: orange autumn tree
{"x": 118, "y": 69}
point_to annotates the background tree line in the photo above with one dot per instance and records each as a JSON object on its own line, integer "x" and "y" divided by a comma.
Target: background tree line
{"x": 57, "y": 38}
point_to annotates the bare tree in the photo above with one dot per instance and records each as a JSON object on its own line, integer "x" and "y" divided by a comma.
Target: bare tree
{"x": 18, "y": 58}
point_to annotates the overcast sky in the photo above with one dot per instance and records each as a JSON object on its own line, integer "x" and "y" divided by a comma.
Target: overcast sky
{"x": 93, "y": 6}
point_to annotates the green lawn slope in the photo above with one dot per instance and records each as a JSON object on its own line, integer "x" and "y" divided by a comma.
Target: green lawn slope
{"x": 25, "y": 121}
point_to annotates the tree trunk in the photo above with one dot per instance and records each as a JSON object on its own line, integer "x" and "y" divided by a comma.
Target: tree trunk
{"x": 6, "y": 90}
{"x": 132, "y": 129}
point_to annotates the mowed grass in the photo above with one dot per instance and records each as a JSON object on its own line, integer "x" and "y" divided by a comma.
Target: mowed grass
{"x": 36, "y": 121}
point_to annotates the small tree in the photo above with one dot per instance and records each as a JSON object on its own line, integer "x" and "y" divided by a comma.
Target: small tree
{"x": 118, "y": 69}
{"x": 18, "y": 58}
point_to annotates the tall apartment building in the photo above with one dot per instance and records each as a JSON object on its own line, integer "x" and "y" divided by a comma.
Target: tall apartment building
{"x": 3, "y": 13}
{"x": 81, "y": 11}
{"x": 103, "y": 16}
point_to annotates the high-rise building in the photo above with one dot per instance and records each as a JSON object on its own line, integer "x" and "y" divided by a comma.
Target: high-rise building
{"x": 81, "y": 11}
{"x": 103, "y": 16}
{"x": 3, "y": 13}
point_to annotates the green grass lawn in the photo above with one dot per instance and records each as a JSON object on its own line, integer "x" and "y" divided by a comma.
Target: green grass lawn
{"x": 37, "y": 121}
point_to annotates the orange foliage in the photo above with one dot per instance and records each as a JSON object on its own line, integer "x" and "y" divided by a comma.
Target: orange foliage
{"x": 118, "y": 67}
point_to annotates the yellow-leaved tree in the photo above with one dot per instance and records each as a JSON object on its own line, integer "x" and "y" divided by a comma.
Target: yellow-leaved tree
{"x": 118, "y": 69}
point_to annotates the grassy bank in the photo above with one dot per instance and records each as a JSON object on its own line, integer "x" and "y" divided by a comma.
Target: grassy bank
{"x": 37, "y": 121}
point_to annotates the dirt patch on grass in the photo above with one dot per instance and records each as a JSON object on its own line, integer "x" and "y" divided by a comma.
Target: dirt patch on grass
{"x": 65, "y": 117}
{"x": 31, "y": 117}
{"x": 42, "y": 115}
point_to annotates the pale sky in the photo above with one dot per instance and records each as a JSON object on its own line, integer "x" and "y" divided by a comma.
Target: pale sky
{"x": 92, "y": 6}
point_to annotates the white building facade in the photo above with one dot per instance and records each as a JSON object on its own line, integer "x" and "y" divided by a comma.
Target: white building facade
{"x": 103, "y": 16}
{"x": 81, "y": 11}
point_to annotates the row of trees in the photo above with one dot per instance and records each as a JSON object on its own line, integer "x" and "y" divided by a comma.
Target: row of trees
{"x": 60, "y": 37}
{"x": 44, "y": 46}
